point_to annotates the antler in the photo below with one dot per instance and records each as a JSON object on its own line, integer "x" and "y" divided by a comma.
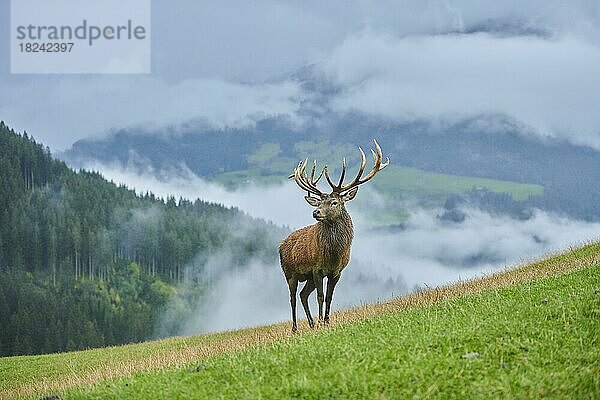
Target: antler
{"x": 377, "y": 157}
{"x": 304, "y": 181}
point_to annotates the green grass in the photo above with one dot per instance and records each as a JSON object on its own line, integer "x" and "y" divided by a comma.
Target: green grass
{"x": 393, "y": 182}
{"x": 536, "y": 329}
{"x": 22, "y": 371}
{"x": 539, "y": 339}
{"x": 397, "y": 181}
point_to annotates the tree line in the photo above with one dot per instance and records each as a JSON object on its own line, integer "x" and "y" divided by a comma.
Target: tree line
{"x": 86, "y": 263}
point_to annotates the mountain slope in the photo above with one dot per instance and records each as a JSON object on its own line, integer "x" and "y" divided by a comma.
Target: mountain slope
{"x": 450, "y": 350}
{"x": 533, "y": 327}
{"x": 491, "y": 147}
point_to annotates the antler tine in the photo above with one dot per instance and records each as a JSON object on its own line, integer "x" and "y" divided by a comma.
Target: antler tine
{"x": 298, "y": 172}
{"x": 378, "y": 166}
{"x": 318, "y": 178}
{"x": 306, "y": 182}
{"x": 363, "y": 163}
{"x": 293, "y": 174}
{"x": 313, "y": 181}
{"x": 328, "y": 178}
{"x": 343, "y": 175}
{"x": 303, "y": 181}
{"x": 339, "y": 188}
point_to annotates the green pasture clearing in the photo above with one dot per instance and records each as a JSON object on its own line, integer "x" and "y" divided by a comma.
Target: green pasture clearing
{"x": 397, "y": 181}
{"x": 394, "y": 182}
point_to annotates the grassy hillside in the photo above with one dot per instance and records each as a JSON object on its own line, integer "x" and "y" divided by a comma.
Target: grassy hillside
{"x": 524, "y": 333}
{"x": 398, "y": 181}
{"x": 266, "y": 165}
{"x": 398, "y": 185}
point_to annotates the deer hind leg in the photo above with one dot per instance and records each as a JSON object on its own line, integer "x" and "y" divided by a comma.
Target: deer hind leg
{"x": 293, "y": 285}
{"x": 331, "y": 282}
{"x": 318, "y": 282}
{"x": 308, "y": 288}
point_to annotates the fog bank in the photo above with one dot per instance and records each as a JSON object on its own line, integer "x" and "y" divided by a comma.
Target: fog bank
{"x": 426, "y": 252}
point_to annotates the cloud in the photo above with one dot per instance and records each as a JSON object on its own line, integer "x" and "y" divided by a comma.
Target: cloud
{"x": 427, "y": 252}
{"x": 432, "y": 252}
{"x": 409, "y": 59}
{"x": 61, "y": 111}
{"x": 237, "y": 40}
{"x": 262, "y": 39}
{"x": 550, "y": 85}
{"x": 280, "y": 204}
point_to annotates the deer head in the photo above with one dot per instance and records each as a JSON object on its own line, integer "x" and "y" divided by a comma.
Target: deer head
{"x": 330, "y": 206}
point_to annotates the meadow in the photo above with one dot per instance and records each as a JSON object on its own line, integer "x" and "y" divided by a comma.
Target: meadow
{"x": 397, "y": 182}
{"x": 530, "y": 331}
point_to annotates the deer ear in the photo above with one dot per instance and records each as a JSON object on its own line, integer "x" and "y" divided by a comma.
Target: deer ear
{"x": 313, "y": 201}
{"x": 350, "y": 195}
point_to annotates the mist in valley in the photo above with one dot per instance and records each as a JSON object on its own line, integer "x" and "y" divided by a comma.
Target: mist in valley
{"x": 425, "y": 252}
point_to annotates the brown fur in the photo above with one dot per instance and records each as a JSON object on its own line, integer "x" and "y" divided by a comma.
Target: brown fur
{"x": 317, "y": 251}
{"x": 321, "y": 246}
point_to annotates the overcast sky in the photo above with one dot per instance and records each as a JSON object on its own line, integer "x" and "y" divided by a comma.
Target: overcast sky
{"x": 225, "y": 63}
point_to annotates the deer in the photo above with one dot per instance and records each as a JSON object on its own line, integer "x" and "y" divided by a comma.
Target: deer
{"x": 322, "y": 250}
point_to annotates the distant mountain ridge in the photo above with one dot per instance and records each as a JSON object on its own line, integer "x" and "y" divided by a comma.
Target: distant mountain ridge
{"x": 490, "y": 146}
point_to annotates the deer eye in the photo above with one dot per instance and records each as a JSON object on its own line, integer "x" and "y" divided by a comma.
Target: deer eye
{"x": 334, "y": 203}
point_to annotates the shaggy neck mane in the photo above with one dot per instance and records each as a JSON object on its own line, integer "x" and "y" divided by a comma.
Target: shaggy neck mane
{"x": 335, "y": 236}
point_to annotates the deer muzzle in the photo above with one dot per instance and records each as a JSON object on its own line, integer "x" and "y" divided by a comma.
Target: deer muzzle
{"x": 318, "y": 215}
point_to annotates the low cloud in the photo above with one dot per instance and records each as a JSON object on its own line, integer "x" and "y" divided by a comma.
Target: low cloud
{"x": 280, "y": 204}
{"x": 93, "y": 106}
{"x": 430, "y": 251}
{"x": 260, "y": 40}
{"x": 548, "y": 84}
{"x": 535, "y": 61}
{"x": 426, "y": 252}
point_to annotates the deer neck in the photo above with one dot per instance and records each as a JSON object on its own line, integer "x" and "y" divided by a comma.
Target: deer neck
{"x": 336, "y": 237}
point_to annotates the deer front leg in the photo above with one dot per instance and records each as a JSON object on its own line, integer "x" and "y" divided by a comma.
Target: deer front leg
{"x": 331, "y": 282}
{"x": 304, "y": 294}
{"x": 293, "y": 285}
{"x": 318, "y": 282}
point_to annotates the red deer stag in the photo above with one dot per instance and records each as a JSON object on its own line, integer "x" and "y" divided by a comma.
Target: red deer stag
{"x": 322, "y": 249}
